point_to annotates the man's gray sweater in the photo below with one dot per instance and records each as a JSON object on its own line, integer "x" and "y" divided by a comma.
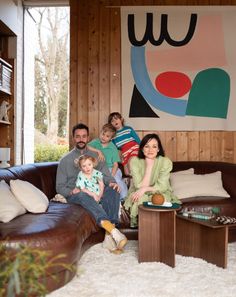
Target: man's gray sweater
{"x": 67, "y": 171}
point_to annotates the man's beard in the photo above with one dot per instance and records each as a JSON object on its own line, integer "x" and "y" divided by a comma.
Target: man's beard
{"x": 80, "y": 145}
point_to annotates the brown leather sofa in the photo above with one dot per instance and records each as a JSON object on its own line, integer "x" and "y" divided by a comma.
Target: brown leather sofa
{"x": 64, "y": 229}
{"x": 70, "y": 230}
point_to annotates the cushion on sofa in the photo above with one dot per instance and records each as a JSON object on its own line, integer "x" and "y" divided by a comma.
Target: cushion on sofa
{"x": 10, "y": 207}
{"x": 198, "y": 185}
{"x": 187, "y": 171}
{"x": 29, "y": 196}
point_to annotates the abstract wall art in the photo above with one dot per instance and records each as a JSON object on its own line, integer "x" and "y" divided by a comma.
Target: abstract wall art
{"x": 179, "y": 67}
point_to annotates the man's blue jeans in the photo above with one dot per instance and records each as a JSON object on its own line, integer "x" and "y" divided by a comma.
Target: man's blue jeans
{"x": 107, "y": 209}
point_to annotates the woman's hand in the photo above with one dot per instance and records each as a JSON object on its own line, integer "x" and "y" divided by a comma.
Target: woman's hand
{"x": 138, "y": 194}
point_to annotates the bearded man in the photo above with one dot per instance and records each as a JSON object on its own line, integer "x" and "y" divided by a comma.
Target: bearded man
{"x": 106, "y": 212}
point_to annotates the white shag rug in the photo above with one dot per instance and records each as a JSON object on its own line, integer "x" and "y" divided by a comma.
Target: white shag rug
{"x": 102, "y": 274}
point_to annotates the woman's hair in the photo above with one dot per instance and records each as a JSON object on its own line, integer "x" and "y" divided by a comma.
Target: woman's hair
{"x": 145, "y": 140}
{"x": 115, "y": 115}
{"x": 83, "y": 158}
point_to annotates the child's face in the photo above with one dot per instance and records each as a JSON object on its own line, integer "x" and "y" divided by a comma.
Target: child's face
{"x": 87, "y": 166}
{"x": 117, "y": 123}
{"x": 105, "y": 136}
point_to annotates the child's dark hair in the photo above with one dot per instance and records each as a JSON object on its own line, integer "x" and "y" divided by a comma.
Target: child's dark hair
{"x": 115, "y": 115}
{"x": 145, "y": 140}
{"x": 109, "y": 127}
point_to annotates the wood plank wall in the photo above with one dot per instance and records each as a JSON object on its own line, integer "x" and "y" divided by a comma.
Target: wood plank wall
{"x": 95, "y": 78}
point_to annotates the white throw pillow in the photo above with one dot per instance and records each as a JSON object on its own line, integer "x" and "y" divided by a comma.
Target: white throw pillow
{"x": 29, "y": 196}
{"x": 10, "y": 207}
{"x": 187, "y": 171}
{"x": 197, "y": 185}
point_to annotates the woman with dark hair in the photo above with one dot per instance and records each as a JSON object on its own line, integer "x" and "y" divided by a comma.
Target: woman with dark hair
{"x": 150, "y": 174}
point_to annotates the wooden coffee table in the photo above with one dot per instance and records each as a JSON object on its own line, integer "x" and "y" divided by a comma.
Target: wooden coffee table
{"x": 204, "y": 239}
{"x": 156, "y": 235}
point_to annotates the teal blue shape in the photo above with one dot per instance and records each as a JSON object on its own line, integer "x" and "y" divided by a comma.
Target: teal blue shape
{"x": 209, "y": 95}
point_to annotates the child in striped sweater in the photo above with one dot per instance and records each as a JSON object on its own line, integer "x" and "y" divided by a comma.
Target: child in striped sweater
{"x": 126, "y": 139}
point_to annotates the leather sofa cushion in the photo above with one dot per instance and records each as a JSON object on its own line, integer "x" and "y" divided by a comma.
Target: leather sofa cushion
{"x": 62, "y": 229}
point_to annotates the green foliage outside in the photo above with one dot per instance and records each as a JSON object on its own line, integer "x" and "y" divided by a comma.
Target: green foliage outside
{"x": 23, "y": 272}
{"x": 49, "y": 152}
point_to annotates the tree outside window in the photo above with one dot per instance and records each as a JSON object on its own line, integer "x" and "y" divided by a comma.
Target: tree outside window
{"x": 51, "y": 82}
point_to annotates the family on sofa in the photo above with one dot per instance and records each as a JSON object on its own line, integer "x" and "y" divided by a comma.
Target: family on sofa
{"x": 30, "y": 216}
{"x": 150, "y": 171}
{"x": 97, "y": 191}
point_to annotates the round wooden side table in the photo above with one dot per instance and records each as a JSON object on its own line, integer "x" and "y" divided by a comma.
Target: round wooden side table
{"x": 157, "y": 235}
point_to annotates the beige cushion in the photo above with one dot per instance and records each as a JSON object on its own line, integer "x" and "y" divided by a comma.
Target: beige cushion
{"x": 10, "y": 207}
{"x": 197, "y": 185}
{"x": 187, "y": 171}
{"x": 29, "y": 196}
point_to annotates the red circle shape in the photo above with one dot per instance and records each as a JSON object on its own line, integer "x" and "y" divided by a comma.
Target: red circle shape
{"x": 173, "y": 84}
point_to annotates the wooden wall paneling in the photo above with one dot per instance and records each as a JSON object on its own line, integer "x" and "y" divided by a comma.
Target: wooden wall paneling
{"x": 81, "y": 110}
{"x": 74, "y": 83}
{"x": 216, "y": 146}
{"x": 115, "y": 58}
{"x": 137, "y": 2}
{"x": 182, "y": 146}
{"x": 170, "y": 145}
{"x": 104, "y": 63}
{"x": 234, "y": 153}
{"x": 162, "y": 136}
{"x": 148, "y": 132}
{"x": 93, "y": 67}
{"x": 204, "y": 145}
{"x": 193, "y": 145}
{"x": 96, "y": 78}
{"x": 228, "y": 146}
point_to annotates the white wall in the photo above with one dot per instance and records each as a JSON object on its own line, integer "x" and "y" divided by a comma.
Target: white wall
{"x": 30, "y": 44}
{"x": 18, "y": 88}
{"x": 8, "y": 14}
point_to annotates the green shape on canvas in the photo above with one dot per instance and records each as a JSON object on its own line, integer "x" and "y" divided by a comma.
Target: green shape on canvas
{"x": 209, "y": 95}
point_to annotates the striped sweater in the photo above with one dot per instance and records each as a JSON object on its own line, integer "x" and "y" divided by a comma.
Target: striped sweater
{"x": 124, "y": 136}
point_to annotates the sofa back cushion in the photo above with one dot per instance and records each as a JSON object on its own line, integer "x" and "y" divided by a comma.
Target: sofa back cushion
{"x": 42, "y": 175}
{"x": 228, "y": 171}
{"x": 10, "y": 207}
{"x": 198, "y": 185}
{"x": 47, "y": 172}
{"x": 29, "y": 196}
